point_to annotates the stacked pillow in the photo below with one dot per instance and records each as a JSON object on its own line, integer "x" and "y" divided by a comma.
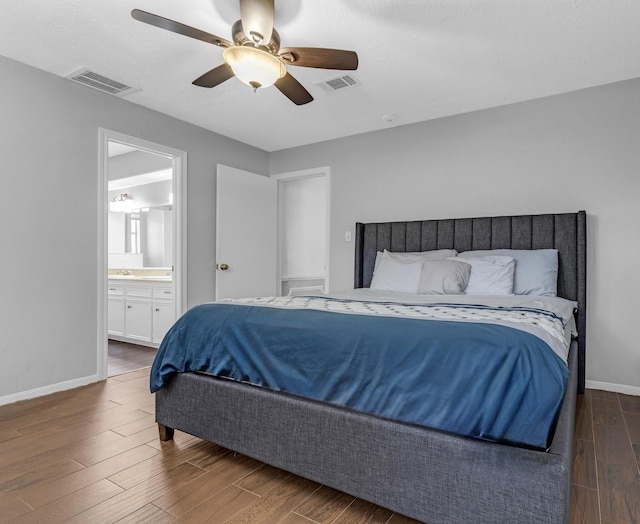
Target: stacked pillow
{"x": 535, "y": 270}
{"x": 490, "y": 275}
{"x": 427, "y": 272}
{"x": 444, "y": 277}
{"x": 487, "y": 272}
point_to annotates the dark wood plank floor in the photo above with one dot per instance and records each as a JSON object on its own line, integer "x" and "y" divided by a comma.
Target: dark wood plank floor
{"x": 606, "y": 474}
{"x": 92, "y": 455}
{"x": 125, "y": 357}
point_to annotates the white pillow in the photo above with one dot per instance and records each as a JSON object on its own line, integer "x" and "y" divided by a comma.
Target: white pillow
{"x": 536, "y": 271}
{"x": 415, "y": 256}
{"x": 490, "y": 275}
{"x": 444, "y": 277}
{"x": 393, "y": 275}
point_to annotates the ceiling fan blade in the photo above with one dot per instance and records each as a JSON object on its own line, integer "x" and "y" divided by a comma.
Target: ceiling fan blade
{"x": 293, "y": 90}
{"x": 214, "y": 77}
{"x": 257, "y": 20}
{"x": 319, "y": 57}
{"x": 177, "y": 27}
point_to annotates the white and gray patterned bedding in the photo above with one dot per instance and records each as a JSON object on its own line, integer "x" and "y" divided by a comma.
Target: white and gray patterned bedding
{"x": 549, "y": 318}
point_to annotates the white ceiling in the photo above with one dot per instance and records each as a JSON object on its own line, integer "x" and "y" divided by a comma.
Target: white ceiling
{"x": 117, "y": 149}
{"x": 140, "y": 180}
{"x": 419, "y": 59}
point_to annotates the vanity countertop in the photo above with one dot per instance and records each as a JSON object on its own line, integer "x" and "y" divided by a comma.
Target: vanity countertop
{"x": 146, "y": 278}
{"x": 143, "y": 274}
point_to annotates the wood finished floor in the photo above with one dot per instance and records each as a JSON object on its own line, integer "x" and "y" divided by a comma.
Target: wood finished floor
{"x": 125, "y": 357}
{"x": 606, "y": 468}
{"x": 92, "y": 455}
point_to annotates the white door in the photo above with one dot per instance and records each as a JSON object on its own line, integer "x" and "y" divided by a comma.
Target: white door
{"x": 246, "y": 234}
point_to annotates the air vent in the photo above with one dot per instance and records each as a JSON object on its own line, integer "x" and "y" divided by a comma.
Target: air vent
{"x": 102, "y": 83}
{"x": 338, "y": 83}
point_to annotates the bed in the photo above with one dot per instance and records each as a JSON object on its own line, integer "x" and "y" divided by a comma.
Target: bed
{"x": 427, "y": 474}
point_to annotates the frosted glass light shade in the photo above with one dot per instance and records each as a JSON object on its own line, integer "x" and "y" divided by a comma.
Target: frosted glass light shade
{"x": 253, "y": 66}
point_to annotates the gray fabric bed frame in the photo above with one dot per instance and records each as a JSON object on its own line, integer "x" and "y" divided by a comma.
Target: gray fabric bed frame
{"x": 426, "y": 474}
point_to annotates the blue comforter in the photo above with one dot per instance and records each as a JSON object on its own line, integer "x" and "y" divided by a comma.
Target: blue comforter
{"x": 485, "y": 381}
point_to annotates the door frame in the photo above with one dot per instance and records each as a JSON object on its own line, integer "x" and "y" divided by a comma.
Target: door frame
{"x": 179, "y": 186}
{"x": 324, "y": 171}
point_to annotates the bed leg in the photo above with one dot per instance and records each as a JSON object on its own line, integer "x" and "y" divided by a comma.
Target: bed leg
{"x": 166, "y": 433}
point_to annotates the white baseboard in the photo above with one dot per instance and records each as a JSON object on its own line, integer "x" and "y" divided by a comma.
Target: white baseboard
{"x": 76, "y": 383}
{"x": 47, "y": 390}
{"x": 616, "y": 388}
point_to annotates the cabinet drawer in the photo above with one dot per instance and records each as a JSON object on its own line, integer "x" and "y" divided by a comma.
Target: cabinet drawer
{"x": 163, "y": 291}
{"x": 139, "y": 290}
{"x": 115, "y": 288}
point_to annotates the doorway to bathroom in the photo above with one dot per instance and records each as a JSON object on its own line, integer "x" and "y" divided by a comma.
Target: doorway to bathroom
{"x": 141, "y": 249}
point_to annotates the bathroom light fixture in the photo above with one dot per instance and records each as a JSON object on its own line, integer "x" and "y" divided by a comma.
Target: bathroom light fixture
{"x": 122, "y": 203}
{"x": 253, "y": 66}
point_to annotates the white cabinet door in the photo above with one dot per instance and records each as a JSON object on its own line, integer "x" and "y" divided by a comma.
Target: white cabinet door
{"x": 115, "y": 316}
{"x": 140, "y": 312}
{"x": 246, "y": 234}
{"x": 138, "y": 319}
{"x": 163, "y": 318}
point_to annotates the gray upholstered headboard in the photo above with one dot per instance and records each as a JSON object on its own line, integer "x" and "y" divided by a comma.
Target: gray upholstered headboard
{"x": 565, "y": 232}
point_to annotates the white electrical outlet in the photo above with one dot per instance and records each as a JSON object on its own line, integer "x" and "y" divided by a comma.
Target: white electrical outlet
{"x": 347, "y": 236}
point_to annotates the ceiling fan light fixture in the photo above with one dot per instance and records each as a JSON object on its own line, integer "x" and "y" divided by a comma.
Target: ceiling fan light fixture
{"x": 253, "y": 66}
{"x": 256, "y": 57}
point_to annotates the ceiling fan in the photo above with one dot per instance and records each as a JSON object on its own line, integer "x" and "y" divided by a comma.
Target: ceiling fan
{"x": 255, "y": 56}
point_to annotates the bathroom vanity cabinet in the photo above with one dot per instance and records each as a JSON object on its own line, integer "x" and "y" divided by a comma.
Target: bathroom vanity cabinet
{"x": 140, "y": 311}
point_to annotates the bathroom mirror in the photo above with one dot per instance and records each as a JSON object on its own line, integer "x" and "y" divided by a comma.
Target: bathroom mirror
{"x": 140, "y": 221}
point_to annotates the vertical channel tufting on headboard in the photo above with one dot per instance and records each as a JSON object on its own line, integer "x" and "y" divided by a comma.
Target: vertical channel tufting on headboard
{"x": 565, "y": 232}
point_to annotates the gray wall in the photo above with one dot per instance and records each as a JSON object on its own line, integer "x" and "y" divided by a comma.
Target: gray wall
{"x": 564, "y": 153}
{"x": 48, "y": 217}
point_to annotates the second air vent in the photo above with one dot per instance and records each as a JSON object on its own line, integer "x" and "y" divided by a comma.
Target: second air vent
{"x": 337, "y": 83}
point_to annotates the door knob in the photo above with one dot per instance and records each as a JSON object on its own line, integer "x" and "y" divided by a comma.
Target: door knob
{"x": 224, "y": 267}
